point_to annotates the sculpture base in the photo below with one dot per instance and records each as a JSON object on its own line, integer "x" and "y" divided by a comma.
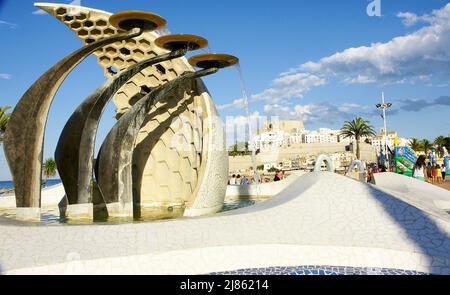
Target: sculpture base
{"x": 194, "y": 212}
{"x": 120, "y": 210}
{"x": 80, "y": 212}
{"x": 158, "y": 210}
{"x": 360, "y": 176}
{"x": 76, "y": 211}
{"x": 28, "y": 213}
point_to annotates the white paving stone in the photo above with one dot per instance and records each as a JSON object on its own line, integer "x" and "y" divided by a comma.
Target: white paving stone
{"x": 320, "y": 219}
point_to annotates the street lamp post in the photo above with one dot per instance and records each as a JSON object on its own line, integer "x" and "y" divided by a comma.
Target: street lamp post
{"x": 384, "y": 106}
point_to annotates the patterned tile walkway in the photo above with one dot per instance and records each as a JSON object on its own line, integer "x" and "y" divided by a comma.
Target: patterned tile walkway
{"x": 319, "y": 270}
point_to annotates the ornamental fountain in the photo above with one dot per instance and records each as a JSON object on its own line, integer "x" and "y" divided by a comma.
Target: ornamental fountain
{"x": 154, "y": 89}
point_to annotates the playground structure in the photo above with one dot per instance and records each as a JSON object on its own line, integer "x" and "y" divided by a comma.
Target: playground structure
{"x": 405, "y": 158}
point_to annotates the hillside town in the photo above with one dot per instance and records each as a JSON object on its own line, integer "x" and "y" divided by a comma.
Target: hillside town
{"x": 287, "y": 145}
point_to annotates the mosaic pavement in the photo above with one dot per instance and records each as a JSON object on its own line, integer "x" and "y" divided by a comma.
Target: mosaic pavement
{"x": 319, "y": 270}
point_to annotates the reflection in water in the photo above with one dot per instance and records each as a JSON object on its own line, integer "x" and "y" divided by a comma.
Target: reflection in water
{"x": 51, "y": 216}
{"x": 233, "y": 205}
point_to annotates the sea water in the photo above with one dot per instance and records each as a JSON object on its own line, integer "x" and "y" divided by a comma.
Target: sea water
{"x": 10, "y": 184}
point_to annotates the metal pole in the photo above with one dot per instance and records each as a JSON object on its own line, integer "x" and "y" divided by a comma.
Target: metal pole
{"x": 385, "y": 131}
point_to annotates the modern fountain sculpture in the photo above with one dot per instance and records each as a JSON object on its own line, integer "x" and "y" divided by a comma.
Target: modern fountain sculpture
{"x": 213, "y": 60}
{"x": 75, "y": 151}
{"x": 114, "y": 173}
{"x": 157, "y": 87}
{"x": 23, "y": 142}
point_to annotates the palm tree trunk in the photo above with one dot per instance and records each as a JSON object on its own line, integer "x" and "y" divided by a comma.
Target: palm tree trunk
{"x": 358, "y": 151}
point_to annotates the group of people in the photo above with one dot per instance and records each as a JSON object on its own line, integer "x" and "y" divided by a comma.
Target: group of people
{"x": 238, "y": 180}
{"x": 429, "y": 172}
{"x": 372, "y": 169}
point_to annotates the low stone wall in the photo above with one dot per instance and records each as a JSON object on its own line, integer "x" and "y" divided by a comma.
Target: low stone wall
{"x": 245, "y": 162}
{"x": 263, "y": 190}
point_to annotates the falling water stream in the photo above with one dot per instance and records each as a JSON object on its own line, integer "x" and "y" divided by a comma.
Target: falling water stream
{"x": 250, "y": 133}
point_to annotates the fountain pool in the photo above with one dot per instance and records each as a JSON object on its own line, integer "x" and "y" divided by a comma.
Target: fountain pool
{"x": 148, "y": 214}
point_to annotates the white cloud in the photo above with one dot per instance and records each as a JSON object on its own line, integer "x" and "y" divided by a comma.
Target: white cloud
{"x": 411, "y": 19}
{"x": 5, "y": 76}
{"x": 360, "y": 79}
{"x": 39, "y": 12}
{"x": 237, "y": 103}
{"x": 236, "y": 127}
{"x": 419, "y": 54}
{"x": 289, "y": 86}
{"x": 325, "y": 112}
{"x": 8, "y": 24}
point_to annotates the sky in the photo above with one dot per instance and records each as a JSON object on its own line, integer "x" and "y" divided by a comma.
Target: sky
{"x": 321, "y": 61}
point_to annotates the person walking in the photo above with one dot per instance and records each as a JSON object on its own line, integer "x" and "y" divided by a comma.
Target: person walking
{"x": 429, "y": 175}
{"x": 419, "y": 170}
{"x": 444, "y": 172}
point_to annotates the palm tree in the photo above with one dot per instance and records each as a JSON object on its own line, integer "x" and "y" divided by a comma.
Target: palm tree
{"x": 4, "y": 118}
{"x": 447, "y": 143}
{"x": 426, "y": 145}
{"x": 440, "y": 142}
{"x": 357, "y": 128}
{"x": 415, "y": 144}
{"x": 49, "y": 168}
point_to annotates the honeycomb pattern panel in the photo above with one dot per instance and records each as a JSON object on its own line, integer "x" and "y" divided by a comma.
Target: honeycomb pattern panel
{"x": 175, "y": 156}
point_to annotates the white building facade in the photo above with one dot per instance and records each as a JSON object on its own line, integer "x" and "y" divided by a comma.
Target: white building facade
{"x": 322, "y": 135}
{"x": 379, "y": 142}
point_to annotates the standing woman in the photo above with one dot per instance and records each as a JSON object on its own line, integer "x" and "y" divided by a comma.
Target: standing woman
{"x": 428, "y": 171}
{"x": 444, "y": 172}
{"x": 419, "y": 170}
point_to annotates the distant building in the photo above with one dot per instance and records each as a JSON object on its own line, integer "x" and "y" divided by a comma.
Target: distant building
{"x": 287, "y": 126}
{"x": 322, "y": 135}
{"x": 287, "y": 133}
{"x": 270, "y": 139}
{"x": 379, "y": 141}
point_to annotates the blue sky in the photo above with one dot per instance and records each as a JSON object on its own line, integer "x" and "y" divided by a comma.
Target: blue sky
{"x": 321, "y": 61}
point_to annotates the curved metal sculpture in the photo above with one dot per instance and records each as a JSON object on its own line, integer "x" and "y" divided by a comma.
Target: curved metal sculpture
{"x": 213, "y": 60}
{"x": 75, "y": 150}
{"x": 23, "y": 140}
{"x": 114, "y": 173}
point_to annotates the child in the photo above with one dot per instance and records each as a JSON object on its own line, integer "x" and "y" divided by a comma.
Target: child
{"x": 438, "y": 174}
{"x": 433, "y": 173}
